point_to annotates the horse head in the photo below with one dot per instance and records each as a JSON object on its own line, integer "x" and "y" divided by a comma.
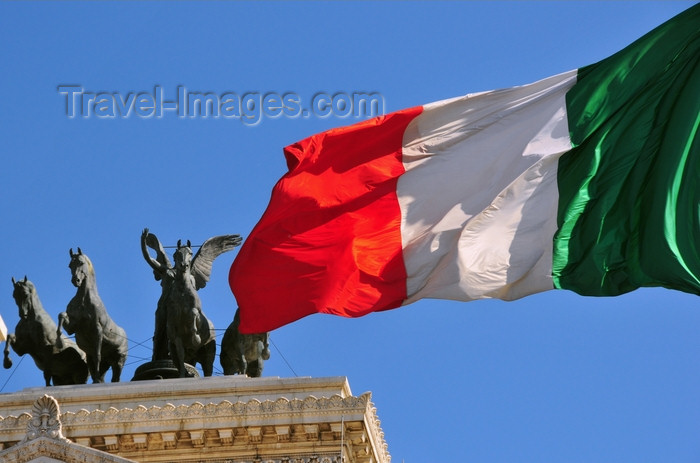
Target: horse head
{"x": 183, "y": 257}
{"x": 24, "y": 293}
{"x": 80, "y": 268}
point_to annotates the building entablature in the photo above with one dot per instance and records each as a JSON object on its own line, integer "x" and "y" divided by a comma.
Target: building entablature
{"x": 233, "y": 419}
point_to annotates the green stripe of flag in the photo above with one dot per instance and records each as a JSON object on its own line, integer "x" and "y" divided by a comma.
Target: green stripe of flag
{"x": 629, "y": 209}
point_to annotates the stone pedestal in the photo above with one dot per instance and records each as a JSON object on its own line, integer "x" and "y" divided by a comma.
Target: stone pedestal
{"x": 162, "y": 369}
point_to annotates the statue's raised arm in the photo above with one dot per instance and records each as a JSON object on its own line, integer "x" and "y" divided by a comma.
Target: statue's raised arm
{"x": 210, "y": 250}
{"x": 161, "y": 263}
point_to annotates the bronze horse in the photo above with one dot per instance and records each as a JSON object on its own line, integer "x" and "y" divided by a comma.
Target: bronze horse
{"x": 243, "y": 354}
{"x": 103, "y": 341}
{"x": 36, "y": 335}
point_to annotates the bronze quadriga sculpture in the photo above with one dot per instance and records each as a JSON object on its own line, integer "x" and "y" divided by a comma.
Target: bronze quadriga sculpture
{"x": 179, "y": 317}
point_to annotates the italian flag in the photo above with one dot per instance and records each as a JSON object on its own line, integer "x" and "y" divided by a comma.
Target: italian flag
{"x": 588, "y": 181}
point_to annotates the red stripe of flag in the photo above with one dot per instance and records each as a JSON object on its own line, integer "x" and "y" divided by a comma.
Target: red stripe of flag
{"x": 330, "y": 239}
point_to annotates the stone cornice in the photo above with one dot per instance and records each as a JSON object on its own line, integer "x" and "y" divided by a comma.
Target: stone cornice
{"x": 376, "y": 434}
{"x": 176, "y": 391}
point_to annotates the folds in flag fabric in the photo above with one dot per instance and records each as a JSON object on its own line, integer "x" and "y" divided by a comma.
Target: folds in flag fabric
{"x": 588, "y": 181}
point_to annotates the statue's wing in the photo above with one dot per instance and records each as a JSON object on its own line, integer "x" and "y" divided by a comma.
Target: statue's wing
{"x": 210, "y": 250}
{"x": 153, "y": 243}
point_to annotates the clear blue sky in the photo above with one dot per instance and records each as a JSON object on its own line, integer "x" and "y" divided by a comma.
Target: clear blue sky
{"x": 554, "y": 377}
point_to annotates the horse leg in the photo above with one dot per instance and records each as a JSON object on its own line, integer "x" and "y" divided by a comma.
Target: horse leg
{"x": 93, "y": 368}
{"x": 62, "y": 318}
{"x": 47, "y": 377}
{"x": 177, "y": 350}
{"x": 117, "y": 368}
{"x": 100, "y": 370}
{"x": 80, "y": 372}
{"x": 196, "y": 338}
{"x": 242, "y": 361}
{"x": 116, "y": 373}
{"x": 266, "y": 346}
{"x": 7, "y": 361}
{"x": 255, "y": 364}
{"x": 103, "y": 367}
{"x": 207, "y": 356}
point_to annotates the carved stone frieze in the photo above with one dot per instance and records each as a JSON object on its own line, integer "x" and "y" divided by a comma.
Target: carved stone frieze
{"x": 224, "y": 409}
